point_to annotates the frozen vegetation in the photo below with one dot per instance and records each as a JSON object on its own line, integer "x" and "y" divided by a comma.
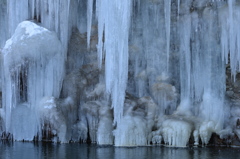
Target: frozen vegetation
{"x": 123, "y": 73}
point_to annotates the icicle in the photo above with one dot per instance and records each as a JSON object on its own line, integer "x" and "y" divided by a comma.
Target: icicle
{"x": 230, "y": 36}
{"x": 89, "y": 21}
{"x": 37, "y": 7}
{"x": 185, "y": 57}
{"x": 234, "y": 37}
{"x": 56, "y": 12}
{"x": 32, "y": 3}
{"x": 167, "y": 11}
{"x": 3, "y": 24}
{"x": 17, "y": 12}
{"x": 100, "y": 7}
{"x": 117, "y": 20}
{"x": 179, "y": 1}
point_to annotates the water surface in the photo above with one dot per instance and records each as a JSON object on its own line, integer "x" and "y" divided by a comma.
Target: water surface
{"x": 29, "y": 150}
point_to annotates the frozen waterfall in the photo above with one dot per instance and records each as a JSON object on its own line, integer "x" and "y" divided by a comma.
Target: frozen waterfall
{"x": 123, "y": 73}
{"x": 31, "y": 70}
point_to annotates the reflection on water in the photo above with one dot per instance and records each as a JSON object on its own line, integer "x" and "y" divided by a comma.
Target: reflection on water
{"x": 25, "y": 150}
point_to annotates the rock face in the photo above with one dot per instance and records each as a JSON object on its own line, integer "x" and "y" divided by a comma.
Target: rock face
{"x": 152, "y": 72}
{"x": 233, "y": 95}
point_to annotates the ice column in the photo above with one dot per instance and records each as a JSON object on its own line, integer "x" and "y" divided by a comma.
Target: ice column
{"x": 115, "y": 17}
{"x": 185, "y": 56}
{"x": 3, "y": 22}
{"x": 32, "y": 69}
{"x": 100, "y": 6}
{"x": 230, "y": 35}
{"x": 167, "y": 11}
{"x": 89, "y": 20}
{"x": 179, "y": 1}
{"x": 212, "y": 107}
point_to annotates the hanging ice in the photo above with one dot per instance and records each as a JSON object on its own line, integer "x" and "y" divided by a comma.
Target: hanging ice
{"x": 179, "y": 2}
{"x": 32, "y": 69}
{"x": 115, "y": 17}
{"x": 176, "y": 132}
{"x": 161, "y": 52}
{"x": 167, "y": 11}
{"x": 230, "y": 35}
{"x": 89, "y": 20}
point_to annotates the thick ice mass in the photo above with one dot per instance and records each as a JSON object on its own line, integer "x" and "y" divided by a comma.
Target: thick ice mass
{"x": 115, "y": 17}
{"x": 32, "y": 70}
{"x": 120, "y": 72}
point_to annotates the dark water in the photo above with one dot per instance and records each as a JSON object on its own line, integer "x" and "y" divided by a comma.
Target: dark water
{"x": 24, "y": 150}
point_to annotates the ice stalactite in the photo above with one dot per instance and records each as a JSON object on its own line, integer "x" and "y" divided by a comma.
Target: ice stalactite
{"x": 167, "y": 12}
{"x": 213, "y": 69}
{"x": 178, "y": 4}
{"x": 115, "y": 17}
{"x": 230, "y": 35}
{"x": 150, "y": 53}
{"x": 198, "y": 70}
{"x": 4, "y": 23}
{"x": 17, "y": 12}
{"x": 167, "y": 53}
{"x": 54, "y": 16}
{"x": 89, "y": 21}
{"x": 100, "y": 8}
{"x": 185, "y": 56}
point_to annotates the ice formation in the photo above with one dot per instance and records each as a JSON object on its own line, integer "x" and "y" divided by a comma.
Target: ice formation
{"x": 31, "y": 70}
{"x": 176, "y": 132}
{"x": 124, "y": 73}
{"x": 229, "y": 20}
{"x": 116, "y": 28}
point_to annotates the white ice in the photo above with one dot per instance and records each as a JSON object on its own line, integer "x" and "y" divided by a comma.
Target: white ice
{"x": 145, "y": 50}
{"x": 32, "y": 69}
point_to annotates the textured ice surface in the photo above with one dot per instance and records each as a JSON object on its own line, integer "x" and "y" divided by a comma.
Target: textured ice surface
{"x": 115, "y": 16}
{"x": 50, "y": 113}
{"x": 160, "y": 53}
{"x": 33, "y": 68}
{"x": 176, "y": 132}
{"x": 23, "y": 123}
{"x": 131, "y": 125}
